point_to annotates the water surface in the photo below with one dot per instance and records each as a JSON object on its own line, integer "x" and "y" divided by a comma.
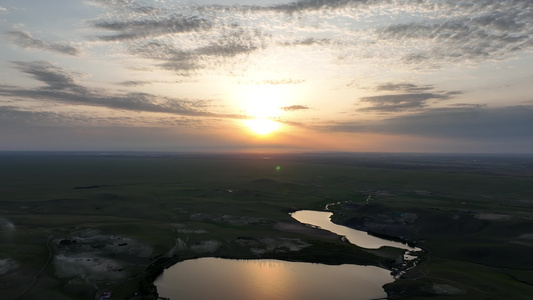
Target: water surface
{"x": 357, "y": 237}
{"x": 216, "y": 278}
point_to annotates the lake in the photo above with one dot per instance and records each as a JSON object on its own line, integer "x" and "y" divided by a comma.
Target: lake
{"x": 216, "y": 278}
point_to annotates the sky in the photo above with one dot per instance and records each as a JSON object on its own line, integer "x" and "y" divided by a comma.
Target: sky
{"x": 267, "y": 75}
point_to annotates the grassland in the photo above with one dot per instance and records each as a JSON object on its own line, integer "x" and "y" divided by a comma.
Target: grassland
{"x": 76, "y": 224}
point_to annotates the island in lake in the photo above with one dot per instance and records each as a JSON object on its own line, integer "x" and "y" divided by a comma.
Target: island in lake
{"x": 106, "y": 225}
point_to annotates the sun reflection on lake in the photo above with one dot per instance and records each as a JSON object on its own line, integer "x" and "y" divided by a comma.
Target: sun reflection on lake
{"x": 271, "y": 279}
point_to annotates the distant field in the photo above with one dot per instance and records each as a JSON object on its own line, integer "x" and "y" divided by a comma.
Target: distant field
{"x": 76, "y": 224}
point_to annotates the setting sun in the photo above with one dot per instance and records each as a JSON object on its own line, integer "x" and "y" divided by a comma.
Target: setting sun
{"x": 262, "y": 126}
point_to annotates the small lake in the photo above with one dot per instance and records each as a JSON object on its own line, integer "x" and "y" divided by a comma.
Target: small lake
{"x": 216, "y": 278}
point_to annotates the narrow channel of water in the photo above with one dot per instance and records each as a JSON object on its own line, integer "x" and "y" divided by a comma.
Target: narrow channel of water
{"x": 357, "y": 237}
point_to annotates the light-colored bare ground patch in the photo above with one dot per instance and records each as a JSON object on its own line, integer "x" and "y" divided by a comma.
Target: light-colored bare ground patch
{"x": 191, "y": 231}
{"x": 267, "y": 244}
{"x": 88, "y": 266}
{"x": 206, "y": 246}
{"x": 263, "y": 245}
{"x": 523, "y": 243}
{"x": 526, "y": 236}
{"x": 90, "y": 255}
{"x": 179, "y": 244}
{"x": 492, "y": 217}
{"x": 524, "y": 240}
{"x": 446, "y": 289}
{"x": 407, "y": 218}
{"x": 7, "y": 265}
{"x": 90, "y": 241}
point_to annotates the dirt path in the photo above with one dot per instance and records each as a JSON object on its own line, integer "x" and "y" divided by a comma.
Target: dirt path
{"x": 41, "y": 271}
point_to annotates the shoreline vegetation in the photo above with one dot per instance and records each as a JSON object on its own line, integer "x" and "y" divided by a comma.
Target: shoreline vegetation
{"x": 114, "y": 221}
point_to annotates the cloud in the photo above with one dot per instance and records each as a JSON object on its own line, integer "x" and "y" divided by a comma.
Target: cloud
{"x": 515, "y": 122}
{"x": 460, "y": 122}
{"x": 54, "y": 77}
{"x": 308, "y": 42}
{"x": 61, "y": 86}
{"x": 315, "y": 5}
{"x": 137, "y": 29}
{"x": 294, "y": 108}
{"x": 282, "y": 81}
{"x": 473, "y": 31}
{"x": 25, "y": 40}
{"x": 421, "y": 34}
{"x": 187, "y": 62}
{"x": 19, "y": 119}
{"x": 408, "y": 96}
{"x": 119, "y": 4}
{"x": 134, "y": 83}
{"x": 403, "y": 87}
{"x": 186, "y": 38}
{"x": 15, "y": 119}
{"x": 400, "y": 102}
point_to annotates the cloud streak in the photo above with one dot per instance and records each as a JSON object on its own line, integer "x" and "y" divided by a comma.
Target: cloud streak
{"x": 138, "y": 29}
{"x": 26, "y": 41}
{"x": 421, "y": 34}
{"x": 463, "y": 122}
{"x": 294, "y": 108}
{"x": 61, "y": 86}
{"x": 407, "y": 97}
{"x": 473, "y": 31}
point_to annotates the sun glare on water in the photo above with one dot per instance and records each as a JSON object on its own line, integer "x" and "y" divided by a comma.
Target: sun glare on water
{"x": 262, "y": 126}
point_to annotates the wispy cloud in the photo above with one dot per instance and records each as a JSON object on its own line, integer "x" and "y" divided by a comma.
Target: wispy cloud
{"x": 15, "y": 117}
{"x": 25, "y": 40}
{"x": 315, "y": 5}
{"x": 187, "y": 62}
{"x": 137, "y": 29}
{"x": 407, "y": 97}
{"x": 61, "y": 86}
{"x": 403, "y": 87}
{"x": 473, "y": 31}
{"x": 308, "y": 42}
{"x": 513, "y": 122}
{"x": 282, "y": 81}
{"x": 294, "y": 107}
{"x": 28, "y": 118}
{"x": 460, "y": 122}
{"x": 400, "y": 102}
{"x": 54, "y": 77}
{"x": 188, "y": 38}
{"x": 134, "y": 83}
